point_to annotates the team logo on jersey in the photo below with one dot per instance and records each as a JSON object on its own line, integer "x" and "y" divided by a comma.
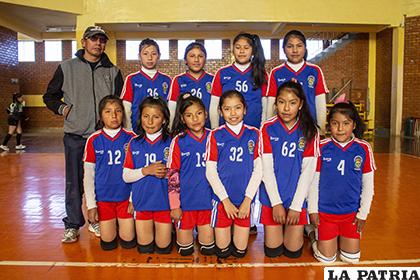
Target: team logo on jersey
{"x": 275, "y": 139}
{"x": 311, "y": 81}
{"x": 165, "y": 87}
{"x": 327, "y": 159}
{"x": 357, "y": 162}
{"x": 166, "y": 153}
{"x": 301, "y": 144}
{"x": 208, "y": 87}
{"x": 251, "y": 146}
{"x": 227, "y": 78}
{"x": 220, "y": 144}
{"x": 183, "y": 85}
{"x": 281, "y": 80}
{"x": 126, "y": 147}
{"x": 138, "y": 85}
{"x": 101, "y": 152}
{"x": 135, "y": 153}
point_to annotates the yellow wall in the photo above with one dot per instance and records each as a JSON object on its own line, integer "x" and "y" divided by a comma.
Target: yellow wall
{"x": 411, "y": 8}
{"x": 73, "y": 6}
{"x": 327, "y": 11}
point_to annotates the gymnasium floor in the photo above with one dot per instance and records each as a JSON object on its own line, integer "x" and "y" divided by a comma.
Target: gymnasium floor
{"x": 32, "y": 205}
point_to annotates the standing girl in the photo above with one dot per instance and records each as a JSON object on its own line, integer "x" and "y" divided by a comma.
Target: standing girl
{"x": 309, "y": 75}
{"x": 146, "y": 82}
{"x": 233, "y": 168}
{"x": 246, "y": 75}
{"x": 189, "y": 191}
{"x": 106, "y": 193}
{"x": 195, "y": 81}
{"x": 145, "y": 168}
{"x": 339, "y": 202}
{"x": 15, "y": 111}
{"x": 290, "y": 146}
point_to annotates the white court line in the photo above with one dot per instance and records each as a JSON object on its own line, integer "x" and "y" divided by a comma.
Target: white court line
{"x": 195, "y": 265}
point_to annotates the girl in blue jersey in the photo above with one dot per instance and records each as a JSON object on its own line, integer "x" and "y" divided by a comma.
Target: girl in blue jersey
{"x": 340, "y": 200}
{"x": 195, "y": 80}
{"x": 246, "y": 75}
{"x": 145, "y": 168}
{"x": 309, "y": 75}
{"x": 146, "y": 82}
{"x": 189, "y": 192}
{"x": 233, "y": 168}
{"x": 290, "y": 147}
{"x": 105, "y": 191}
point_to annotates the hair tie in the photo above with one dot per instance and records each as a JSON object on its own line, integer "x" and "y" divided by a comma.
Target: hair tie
{"x": 186, "y": 95}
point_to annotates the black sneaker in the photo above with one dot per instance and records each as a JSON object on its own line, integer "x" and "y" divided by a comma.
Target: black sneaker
{"x": 253, "y": 230}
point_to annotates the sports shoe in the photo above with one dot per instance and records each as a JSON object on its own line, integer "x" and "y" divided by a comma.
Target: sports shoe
{"x": 253, "y": 230}
{"x": 4, "y": 148}
{"x": 20, "y": 147}
{"x": 94, "y": 227}
{"x": 70, "y": 235}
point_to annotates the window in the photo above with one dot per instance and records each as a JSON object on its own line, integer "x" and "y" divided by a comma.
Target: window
{"x": 132, "y": 49}
{"x": 281, "y": 51}
{"x": 73, "y": 49}
{"x": 164, "y": 48}
{"x": 182, "y": 44}
{"x": 213, "y": 48}
{"x": 53, "y": 51}
{"x": 266, "y": 44}
{"x": 313, "y": 47}
{"x": 26, "y": 51}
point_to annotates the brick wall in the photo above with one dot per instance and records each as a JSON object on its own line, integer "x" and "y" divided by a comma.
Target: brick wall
{"x": 34, "y": 79}
{"x": 349, "y": 62}
{"x": 411, "y": 84}
{"x": 8, "y": 70}
{"x": 383, "y": 79}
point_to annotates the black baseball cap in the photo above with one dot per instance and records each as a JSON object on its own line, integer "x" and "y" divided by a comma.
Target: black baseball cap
{"x": 94, "y": 30}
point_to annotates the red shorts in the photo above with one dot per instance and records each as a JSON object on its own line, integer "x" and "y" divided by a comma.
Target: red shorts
{"x": 193, "y": 218}
{"x": 219, "y": 218}
{"x": 111, "y": 210}
{"x": 266, "y": 217}
{"x": 333, "y": 225}
{"x": 157, "y": 216}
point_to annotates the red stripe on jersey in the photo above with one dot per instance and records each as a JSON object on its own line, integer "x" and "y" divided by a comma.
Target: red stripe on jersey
{"x": 265, "y": 138}
{"x": 128, "y": 162}
{"x": 127, "y": 91}
{"x": 211, "y": 147}
{"x": 321, "y": 86}
{"x": 369, "y": 164}
{"x": 264, "y": 86}
{"x": 272, "y": 84}
{"x": 174, "y": 90}
{"x": 89, "y": 154}
{"x": 312, "y": 147}
{"x": 174, "y": 159}
{"x": 216, "y": 86}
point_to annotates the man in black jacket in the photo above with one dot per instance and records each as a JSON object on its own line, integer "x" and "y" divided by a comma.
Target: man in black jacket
{"x": 82, "y": 81}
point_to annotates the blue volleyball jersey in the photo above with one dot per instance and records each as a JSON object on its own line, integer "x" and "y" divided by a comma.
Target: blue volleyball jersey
{"x": 108, "y": 154}
{"x": 139, "y": 85}
{"x": 310, "y": 76}
{"x": 288, "y": 147}
{"x": 200, "y": 88}
{"x": 150, "y": 193}
{"x": 341, "y": 170}
{"x": 235, "y": 155}
{"x": 187, "y": 154}
{"x": 231, "y": 78}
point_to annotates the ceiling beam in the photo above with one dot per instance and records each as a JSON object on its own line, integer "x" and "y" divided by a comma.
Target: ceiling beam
{"x": 19, "y": 26}
{"x": 277, "y": 28}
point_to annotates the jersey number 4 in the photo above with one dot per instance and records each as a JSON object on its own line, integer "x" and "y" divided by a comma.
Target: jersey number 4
{"x": 340, "y": 167}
